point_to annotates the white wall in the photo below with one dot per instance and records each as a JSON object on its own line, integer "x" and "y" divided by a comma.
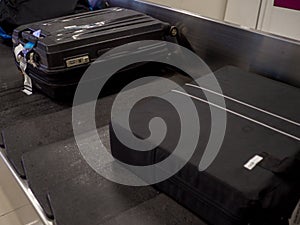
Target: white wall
{"x": 243, "y": 12}
{"x": 262, "y": 15}
{"x": 172, "y": 3}
{"x": 210, "y": 8}
{"x": 281, "y": 21}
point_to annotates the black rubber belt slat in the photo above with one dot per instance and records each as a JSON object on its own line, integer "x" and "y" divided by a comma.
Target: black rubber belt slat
{"x": 14, "y": 110}
{"x": 91, "y": 199}
{"x": 48, "y": 166}
{"x": 10, "y": 77}
{"x": 31, "y": 134}
{"x": 16, "y": 107}
{"x": 51, "y": 128}
{"x": 157, "y": 211}
{"x": 53, "y": 166}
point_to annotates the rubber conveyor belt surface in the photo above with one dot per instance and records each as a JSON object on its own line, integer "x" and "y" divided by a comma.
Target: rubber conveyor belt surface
{"x": 57, "y": 126}
{"x": 10, "y": 76}
{"x": 52, "y": 128}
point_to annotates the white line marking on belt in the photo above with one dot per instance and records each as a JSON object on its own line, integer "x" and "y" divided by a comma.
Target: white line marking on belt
{"x": 240, "y": 115}
{"x": 246, "y": 104}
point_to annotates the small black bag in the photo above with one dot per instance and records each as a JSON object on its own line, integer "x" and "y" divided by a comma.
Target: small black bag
{"x": 14, "y": 13}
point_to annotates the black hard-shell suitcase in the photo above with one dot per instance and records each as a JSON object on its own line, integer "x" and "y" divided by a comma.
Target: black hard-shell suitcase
{"x": 67, "y": 45}
{"x": 262, "y": 121}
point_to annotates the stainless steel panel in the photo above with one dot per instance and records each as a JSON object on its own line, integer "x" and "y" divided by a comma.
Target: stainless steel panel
{"x": 221, "y": 44}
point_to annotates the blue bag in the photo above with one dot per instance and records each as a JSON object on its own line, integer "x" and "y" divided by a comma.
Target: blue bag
{"x": 4, "y": 35}
{"x": 97, "y": 4}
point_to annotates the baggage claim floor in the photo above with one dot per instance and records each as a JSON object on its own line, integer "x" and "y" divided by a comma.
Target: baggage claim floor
{"x": 15, "y": 209}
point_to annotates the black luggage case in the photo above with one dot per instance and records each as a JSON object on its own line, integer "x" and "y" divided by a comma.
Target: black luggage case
{"x": 67, "y": 45}
{"x": 227, "y": 193}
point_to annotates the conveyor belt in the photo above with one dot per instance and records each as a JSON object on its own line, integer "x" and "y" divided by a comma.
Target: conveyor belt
{"x": 91, "y": 199}
{"x": 15, "y": 106}
{"x": 26, "y": 136}
{"x": 52, "y": 165}
{"x": 260, "y": 101}
{"x": 10, "y": 76}
{"x": 50, "y": 128}
{"x": 157, "y": 211}
{"x": 40, "y": 130}
{"x": 65, "y": 166}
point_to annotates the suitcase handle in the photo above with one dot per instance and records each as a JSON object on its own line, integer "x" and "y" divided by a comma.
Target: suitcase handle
{"x": 26, "y": 36}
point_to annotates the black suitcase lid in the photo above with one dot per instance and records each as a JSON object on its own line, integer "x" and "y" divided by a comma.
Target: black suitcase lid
{"x": 95, "y": 26}
{"x": 86, "y": 36}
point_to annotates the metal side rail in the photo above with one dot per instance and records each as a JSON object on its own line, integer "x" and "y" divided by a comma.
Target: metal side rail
{"x": 25, "y": 188}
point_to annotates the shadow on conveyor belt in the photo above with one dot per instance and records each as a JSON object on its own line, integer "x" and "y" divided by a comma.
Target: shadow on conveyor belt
{"x": 14, "y": 105}
{"x": 20, "y": 137}
{"x": 10, "y": 77}
{"x": 38, "y": 137}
